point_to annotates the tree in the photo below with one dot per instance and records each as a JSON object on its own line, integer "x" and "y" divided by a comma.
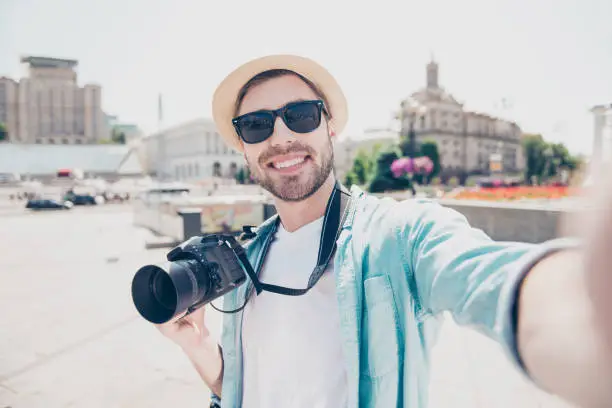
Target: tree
{"x": 117, "y": 136}
{"x": 350, "y": 179}
{"x": 243, "y": 176}
{"x": 534, "y": 147}
{"x": 3, "y": 133}
{"x": 545, "y": 160}
{"x": 429, "y": 148}
{"x": 363, "y": 166}
{"x": 383, "y": 177}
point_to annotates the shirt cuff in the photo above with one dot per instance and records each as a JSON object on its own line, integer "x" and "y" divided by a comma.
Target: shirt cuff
{"x": 215, "y": 402}
{"x": 512, "y": 290}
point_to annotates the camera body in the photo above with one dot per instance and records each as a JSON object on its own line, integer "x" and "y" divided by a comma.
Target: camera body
{"x": 197, "y": 271}
{"x": 218, "y": 260}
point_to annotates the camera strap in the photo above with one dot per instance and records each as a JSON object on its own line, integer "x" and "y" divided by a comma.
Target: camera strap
{"x": 335, "y": 216}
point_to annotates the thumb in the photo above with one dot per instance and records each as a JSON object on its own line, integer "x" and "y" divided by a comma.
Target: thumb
{"x": 197, "y": 316}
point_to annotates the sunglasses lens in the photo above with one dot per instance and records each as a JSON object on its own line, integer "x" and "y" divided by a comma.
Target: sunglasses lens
{"x": 256, "y": 127}
{"x": 303, "y": 117}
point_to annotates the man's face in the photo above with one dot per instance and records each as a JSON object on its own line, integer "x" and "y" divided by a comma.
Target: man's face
{"x": 291, "y": 166}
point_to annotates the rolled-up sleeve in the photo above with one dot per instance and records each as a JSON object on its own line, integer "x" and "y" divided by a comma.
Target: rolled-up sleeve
{"x": 461, "y": 270}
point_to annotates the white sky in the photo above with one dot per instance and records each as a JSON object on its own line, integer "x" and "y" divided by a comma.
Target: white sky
{"x": 552, "y": 59}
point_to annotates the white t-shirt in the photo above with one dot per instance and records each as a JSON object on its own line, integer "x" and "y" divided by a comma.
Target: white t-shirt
{"x": 292, "y": 344}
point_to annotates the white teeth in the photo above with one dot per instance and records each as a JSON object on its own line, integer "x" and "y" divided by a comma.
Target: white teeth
{"x": 289, "y": 163}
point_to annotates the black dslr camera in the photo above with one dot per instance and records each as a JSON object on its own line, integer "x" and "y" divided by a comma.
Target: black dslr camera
{"x": 198, "y": 271}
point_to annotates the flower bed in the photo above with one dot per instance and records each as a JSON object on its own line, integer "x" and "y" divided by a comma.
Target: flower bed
{"x": 514, "y": 193}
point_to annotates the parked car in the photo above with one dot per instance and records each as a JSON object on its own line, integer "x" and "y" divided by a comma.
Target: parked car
{"x": 80, "y": 199}
{"x": 48, "y": 204}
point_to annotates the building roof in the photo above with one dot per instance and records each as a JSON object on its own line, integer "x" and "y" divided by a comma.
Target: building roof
{"x": 47, "y": 62}
{"x": 48, "y": 159}
{"x": 434, "y": 95}
{"x": 184, "y": 126}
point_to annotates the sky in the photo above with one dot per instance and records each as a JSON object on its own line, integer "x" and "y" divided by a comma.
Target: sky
{"x": 551, "y": 60}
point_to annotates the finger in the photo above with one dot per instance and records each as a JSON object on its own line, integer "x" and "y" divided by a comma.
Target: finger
{"x": 196, "y": 316}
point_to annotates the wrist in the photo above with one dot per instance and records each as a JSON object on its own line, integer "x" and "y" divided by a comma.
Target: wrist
{"x": 207, "y": 349}
{"x": 208, "y": 362}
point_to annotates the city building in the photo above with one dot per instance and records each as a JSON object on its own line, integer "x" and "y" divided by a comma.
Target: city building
{"x": 48, "y": 106}
{"x": 466, "y": 140}
{"x": 602, "y": 135}
{"x": 190, "y": 151}
{"x": 130, "y": 131}
{"x": 45, "y": 162}
{"x": 348, "y": 147}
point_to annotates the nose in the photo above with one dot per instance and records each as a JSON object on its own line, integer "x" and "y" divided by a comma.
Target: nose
{"x": 282, "y": 134}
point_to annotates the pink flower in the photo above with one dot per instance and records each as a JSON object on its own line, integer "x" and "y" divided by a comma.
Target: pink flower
{"x": 406, "y": 165}
{"x": 401, "y": 166}
{"x": 423, "y": 165}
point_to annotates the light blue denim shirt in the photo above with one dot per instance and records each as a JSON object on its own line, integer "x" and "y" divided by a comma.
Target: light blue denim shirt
{"x": 398, "y": 266}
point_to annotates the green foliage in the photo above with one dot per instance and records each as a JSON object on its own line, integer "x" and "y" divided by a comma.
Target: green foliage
{"x": 117, "y": 136}
{"x": 544, "y": 160}
{"x": 363, "y": 167}
{"x": 383, "y": 177}
{"x": 429, "y": 148}
{"x": 350, "y": 179}
{"x": 3, "y": 133}
{"x": 243, "y": 176}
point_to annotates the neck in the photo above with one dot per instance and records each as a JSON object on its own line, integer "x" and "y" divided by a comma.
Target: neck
{"x": 296, "y": 214}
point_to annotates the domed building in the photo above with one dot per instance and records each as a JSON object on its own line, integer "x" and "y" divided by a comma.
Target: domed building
{"x": 467, "y": 141}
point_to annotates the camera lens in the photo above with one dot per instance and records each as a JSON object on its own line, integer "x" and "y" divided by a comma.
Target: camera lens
{"x": 164, "y": 291}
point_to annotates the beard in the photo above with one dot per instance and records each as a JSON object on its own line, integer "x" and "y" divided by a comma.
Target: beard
{"x": 294, "y": 188}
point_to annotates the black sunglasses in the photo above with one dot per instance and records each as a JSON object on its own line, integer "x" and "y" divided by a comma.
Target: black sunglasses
{"x": 300, "y": 117}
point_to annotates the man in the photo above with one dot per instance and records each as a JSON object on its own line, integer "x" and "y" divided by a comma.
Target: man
{"x": 360, "y": 336}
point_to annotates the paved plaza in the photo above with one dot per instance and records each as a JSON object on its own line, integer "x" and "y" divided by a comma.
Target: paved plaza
{"x": 70, "y": 336}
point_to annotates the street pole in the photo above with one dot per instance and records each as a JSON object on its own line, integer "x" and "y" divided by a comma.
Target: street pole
{"x": 412, "y": 139}
{"x": 411, "y": 150}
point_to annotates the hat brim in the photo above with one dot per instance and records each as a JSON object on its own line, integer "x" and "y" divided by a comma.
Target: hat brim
{"x": 224, "y": 98}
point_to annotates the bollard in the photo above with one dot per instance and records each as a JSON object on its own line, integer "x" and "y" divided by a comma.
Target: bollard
{"x": 192, "y": 222}
{"x": 269, "y": 210}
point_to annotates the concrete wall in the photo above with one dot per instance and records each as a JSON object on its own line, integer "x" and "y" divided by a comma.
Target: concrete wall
{"x": 523, "y": 223}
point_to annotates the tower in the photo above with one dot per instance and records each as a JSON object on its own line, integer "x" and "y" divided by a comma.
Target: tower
{"x": 432, "y": 74}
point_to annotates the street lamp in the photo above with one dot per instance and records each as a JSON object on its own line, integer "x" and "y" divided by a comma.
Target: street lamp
{"x": 411, "y": 109}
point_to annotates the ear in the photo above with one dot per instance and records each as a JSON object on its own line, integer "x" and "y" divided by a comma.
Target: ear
{"x": 331, "y": 130}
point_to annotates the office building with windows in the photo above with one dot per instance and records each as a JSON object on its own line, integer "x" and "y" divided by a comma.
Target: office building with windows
{"x": 48, "y": 106}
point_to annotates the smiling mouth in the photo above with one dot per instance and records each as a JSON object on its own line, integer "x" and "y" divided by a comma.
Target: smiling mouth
{"x": 289, "y": 163}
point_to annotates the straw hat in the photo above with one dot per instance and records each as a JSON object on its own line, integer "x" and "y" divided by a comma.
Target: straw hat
{"x": 224, "y": 98}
